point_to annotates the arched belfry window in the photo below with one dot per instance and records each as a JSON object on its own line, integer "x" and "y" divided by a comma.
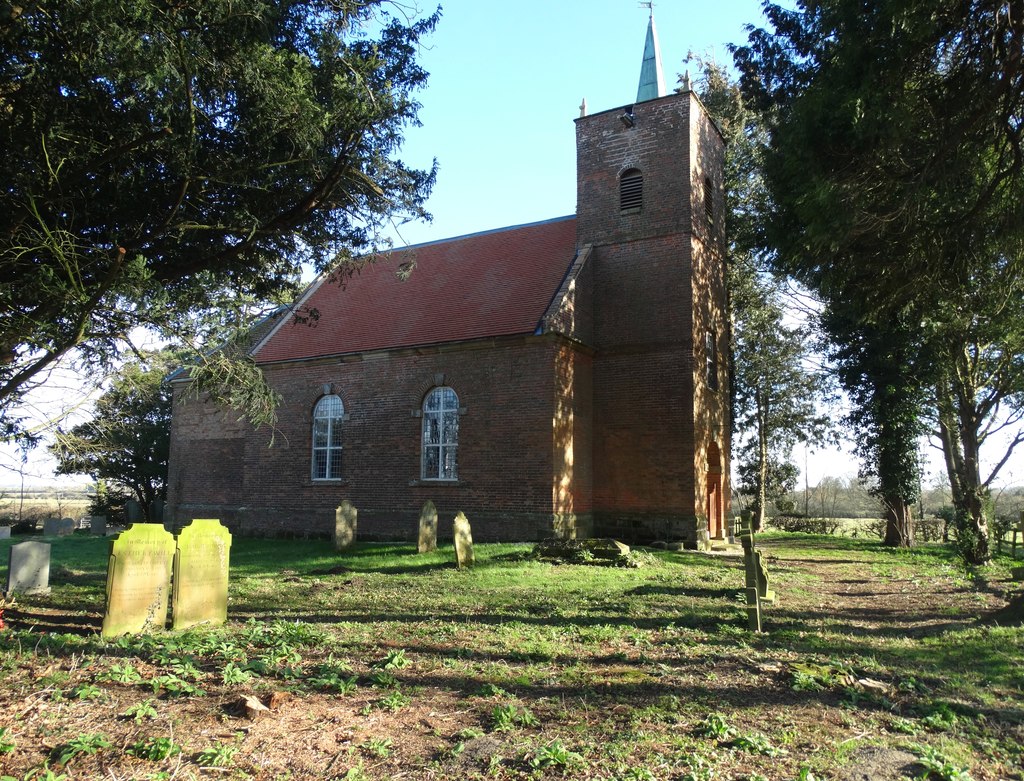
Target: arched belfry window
{"x": 441, "y": 435}
{"x": 631, "y": 191}
{"x": 327, "y": 418}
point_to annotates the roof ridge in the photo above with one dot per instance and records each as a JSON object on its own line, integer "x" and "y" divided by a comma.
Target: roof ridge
{"x": 489, "y": 232}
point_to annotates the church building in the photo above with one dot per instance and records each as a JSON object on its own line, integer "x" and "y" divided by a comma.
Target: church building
{"x": 564, "y": 378}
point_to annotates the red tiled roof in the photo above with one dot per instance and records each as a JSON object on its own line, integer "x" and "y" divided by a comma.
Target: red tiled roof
{"x": 495, "y": 283}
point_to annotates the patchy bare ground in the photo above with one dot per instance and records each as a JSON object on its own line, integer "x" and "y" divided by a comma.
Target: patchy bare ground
{"x": 870, "y": 661}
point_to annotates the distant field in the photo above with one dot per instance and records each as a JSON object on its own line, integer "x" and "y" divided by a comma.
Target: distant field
{"x": 34, "y": 508}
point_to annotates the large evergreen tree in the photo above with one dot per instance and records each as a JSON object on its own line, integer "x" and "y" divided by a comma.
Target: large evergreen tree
{"x": 896, "y": 192}
{"x": 159, "y": 157}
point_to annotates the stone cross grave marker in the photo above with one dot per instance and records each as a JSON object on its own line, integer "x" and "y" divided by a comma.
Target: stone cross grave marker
{"x": 5, "y": 532}
{"x": 428, "y": 528}
{"x": 133, "y": 511}
{"x": 51, "y": 527}
{"x": 138, "y": 580}
{"x": 345, "y": 518}
{"x": 463, "y": 542}
{"x": 28, "y": 568}
{"x": 98, "y": 525}
{"x": 66, "y": 527}
{"x": 200, "y": 594}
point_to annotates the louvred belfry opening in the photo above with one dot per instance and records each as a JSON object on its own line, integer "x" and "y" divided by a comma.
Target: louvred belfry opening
{"x": 631, "y": 191}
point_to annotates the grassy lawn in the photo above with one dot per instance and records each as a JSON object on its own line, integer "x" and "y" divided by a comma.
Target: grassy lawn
{"x": 389, "y": 664}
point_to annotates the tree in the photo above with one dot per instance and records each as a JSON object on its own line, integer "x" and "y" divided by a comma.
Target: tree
{"x": 160, "y": 157}
{"x": 127, "y": 441}
{"x": 896, "y": 189}
{"x": 775, "y": 393}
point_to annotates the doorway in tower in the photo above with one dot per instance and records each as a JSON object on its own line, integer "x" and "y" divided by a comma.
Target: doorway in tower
{"x": 716, "y": 527}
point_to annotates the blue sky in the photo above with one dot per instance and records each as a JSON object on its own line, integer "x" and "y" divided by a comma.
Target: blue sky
{"x": 506, "y": 81}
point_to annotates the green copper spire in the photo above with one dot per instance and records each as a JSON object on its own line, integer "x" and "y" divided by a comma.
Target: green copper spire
{"x": 652, "y": 80}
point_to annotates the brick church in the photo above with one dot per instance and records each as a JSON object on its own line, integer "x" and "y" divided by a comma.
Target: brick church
{"x": 568, "y": 377}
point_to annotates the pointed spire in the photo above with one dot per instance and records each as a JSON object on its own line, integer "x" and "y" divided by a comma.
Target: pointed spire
{"x": 652, "y": 79}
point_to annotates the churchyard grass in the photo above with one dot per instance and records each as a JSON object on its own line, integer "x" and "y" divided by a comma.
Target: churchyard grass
{"x": 388, "y": 663}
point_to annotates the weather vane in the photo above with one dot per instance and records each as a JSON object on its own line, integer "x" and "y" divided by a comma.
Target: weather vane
{"x": 649, "y": 5}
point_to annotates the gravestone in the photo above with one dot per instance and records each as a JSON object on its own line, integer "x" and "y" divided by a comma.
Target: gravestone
{"x": 428, "y": 528}
{"x": 345, "y": 518}
{"x": 156, "y": 511}
{"x": 133, "y": 512}
{"x": 5, "y": 532}
{"x": 28, "y": 568}
{"x": 463, "y": 542}
{"x": 138, "y": 580}
{"x": 51, "y": 527}
{"x": 98, "y": 525}
{"x": 66, "y": 527}
{"x": 200, "y": 594}
{"x": 750, "y": 573}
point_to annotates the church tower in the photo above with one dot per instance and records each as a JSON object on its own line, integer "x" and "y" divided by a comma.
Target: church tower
{"x": 650, "y": 210}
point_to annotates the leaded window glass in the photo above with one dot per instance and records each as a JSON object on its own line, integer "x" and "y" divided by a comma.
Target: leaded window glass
{"x": 327, "y": 418}
{"x": 441, "y": 435}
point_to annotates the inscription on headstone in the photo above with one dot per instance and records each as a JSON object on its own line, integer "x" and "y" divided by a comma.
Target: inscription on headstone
{"x": 5, "y": 532}
{"x": 28, "y": 568}
{"x": 200, "y": 593}
{"x": 51, "y": 527}
{"x": 345, "y": 525}
{"x": 133, "y": 511}
{"x": 138, "y": 580}
{"x": 428, "y": 528}
{"x": 463, "y": 542}
{"x": 98, "y": 525}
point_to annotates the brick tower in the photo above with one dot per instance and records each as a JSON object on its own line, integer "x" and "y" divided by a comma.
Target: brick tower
{"x": 650, "y": 207}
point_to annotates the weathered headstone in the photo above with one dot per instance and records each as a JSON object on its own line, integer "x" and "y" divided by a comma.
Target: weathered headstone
{"x": 28, "y": 568}
{"x": 156, "y": 511}
{"x": 750, "y": 573}
{"x": 200, "y": 594}
{"x": 66, "y": 527}
{"x": 463, "y": 542}
{"x": 5, "y": 532}
{"x": 345, "y": 518}
{"x": 703, "y": 540}
{"x": 133, "y": 512}
{"x": 428, "y": 528}
{"x": 51, "y": 527}
{"x": 138, "y": 580}
{"x": 98, "y": 525}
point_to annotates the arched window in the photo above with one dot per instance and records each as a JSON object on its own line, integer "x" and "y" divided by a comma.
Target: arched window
{"x": 631, "y": 191}
{"x": 327, "y": 417}
{"x": 441, "y": 435}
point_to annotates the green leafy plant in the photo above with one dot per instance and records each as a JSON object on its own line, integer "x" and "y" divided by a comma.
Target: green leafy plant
{"x": 554, "y": 754}
{"x": 121, "y": 673}
{"x": 715, "y": 726}
{"x": 219, "y": 755}
{"x": 490, "y": 690}
{"x": 233, "y": 675}
{"x": 507, "y": 717}
{"x": 378, "y": 747}
{"x": 154, "y": 749}
{"x": 82, "y": 744}
{"x": 334, "y": 683}
{"x": 140, "y": 711}
{"x": 394, "y": 701}
{"x": 638, "y": 774}
{"x": 940, "y": 718}
{"x": 938, "y": 765}
{"x": 7, "y": 744}
{"x": 175, "y": 686}
{"x": 395, "y": 660}
{"x": 87, "y": 691}
{"x": 755, "y": 743}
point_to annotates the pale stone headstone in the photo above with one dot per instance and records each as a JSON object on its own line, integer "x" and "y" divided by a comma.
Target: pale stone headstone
{"x": 138, "y": 580}
{"x": 156, "y": 511}
{"x": 345, "y": 525}
{"x": 5, "y": 532}
{"x": 66, "y": 527}
{"x": 133, "y": 512}
{"x": 98, "y": 525}
{"x": 200, "y": 594}
{"x": 428, "y": 528}
{"x": 463, "y": 542}
{"x": 51, "y": 527}
{"x": 28, "y": 568}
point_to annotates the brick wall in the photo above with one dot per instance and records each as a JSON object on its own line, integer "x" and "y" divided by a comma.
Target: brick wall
{"x": 507, "y": 390}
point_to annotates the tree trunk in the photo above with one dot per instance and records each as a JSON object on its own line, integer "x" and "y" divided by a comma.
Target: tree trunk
{"x": 762, "y": 464}
{"x": 899, "y": 523}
